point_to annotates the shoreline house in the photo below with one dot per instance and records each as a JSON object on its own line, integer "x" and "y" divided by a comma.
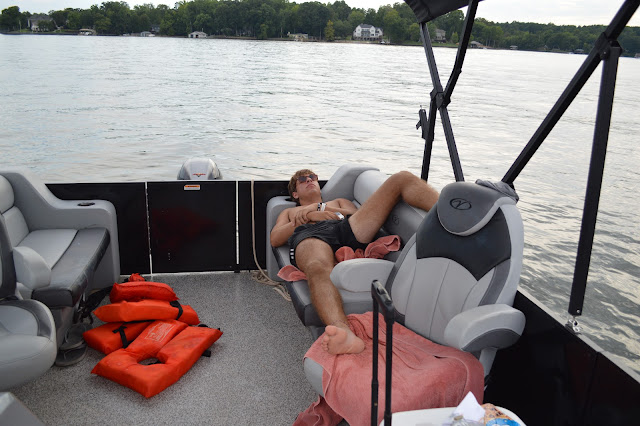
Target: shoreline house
{"x": 366, "y": 32}
{"x": 298, "y": 36}
{"x": 198, "y": 34}
{"x": 34, "y": 20}
{"x": 441, "y": 36}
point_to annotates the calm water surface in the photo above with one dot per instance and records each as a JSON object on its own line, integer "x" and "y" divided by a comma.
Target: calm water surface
{"x": 93, "y": 109}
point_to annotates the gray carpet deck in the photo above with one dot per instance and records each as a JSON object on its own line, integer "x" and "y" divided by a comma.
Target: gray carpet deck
{"x": 253, "y": 377}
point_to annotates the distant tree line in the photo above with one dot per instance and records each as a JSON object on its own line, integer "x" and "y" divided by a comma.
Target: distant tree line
{"x": 275, "y": 18}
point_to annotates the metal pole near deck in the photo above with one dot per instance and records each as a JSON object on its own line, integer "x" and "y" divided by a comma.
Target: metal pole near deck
{"x": 610, "y": 56}
{"x": 382, "y": 299}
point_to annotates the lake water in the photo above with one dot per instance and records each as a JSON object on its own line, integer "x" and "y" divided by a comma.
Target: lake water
{"x": 104, "y": 109}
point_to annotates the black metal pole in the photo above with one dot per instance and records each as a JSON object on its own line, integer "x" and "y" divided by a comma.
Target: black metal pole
{"x": 428, "y": 127}
{"x": 381, "y": 298}
{"x": 389, "y": 363}
{"x": 374, "y": 376}
{"x": 462, "y": 50}
{"x": 594, "y": 182}
{"x": 437, "y": 97}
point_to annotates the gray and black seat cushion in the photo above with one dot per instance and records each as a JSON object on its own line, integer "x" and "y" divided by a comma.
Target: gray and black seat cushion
{"x": 455, "y": 281}
{"x": 60, "y": 249}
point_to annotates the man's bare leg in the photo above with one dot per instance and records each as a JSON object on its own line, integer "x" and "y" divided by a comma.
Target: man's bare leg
{"x": 315, "y": 258}
{"x": 366, "y": 222}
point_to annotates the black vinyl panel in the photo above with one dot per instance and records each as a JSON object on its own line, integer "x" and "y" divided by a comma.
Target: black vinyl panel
{"x": 192, "y": 230}
{"x": 129, "y": 200}
{"x": 554, "y": 377}
{"x": 263, "y": 191}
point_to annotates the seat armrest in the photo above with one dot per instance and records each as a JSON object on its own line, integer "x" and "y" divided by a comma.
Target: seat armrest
{"x": 488, "y": 326}
{"x": 31, "y": 269}
{"x": 356, "y": 275}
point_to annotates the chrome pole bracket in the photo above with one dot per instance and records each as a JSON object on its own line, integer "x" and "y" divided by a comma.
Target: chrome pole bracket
{"x": 572, "y": 324}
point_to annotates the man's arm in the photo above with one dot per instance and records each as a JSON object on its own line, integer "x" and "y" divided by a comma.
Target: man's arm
{"x": 293, "y": 217}
{"x": 283, "y": 229}
{"x": 345, "y": 207}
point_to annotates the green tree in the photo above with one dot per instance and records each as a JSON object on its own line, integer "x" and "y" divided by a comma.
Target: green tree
{"x": 356, "y": 17}
{"x": 263, "y": 34}
{"x": 73, "y": 20}
{"x": 329, "y": 33}
{"x": 342, "y": 29}
{"x": 103, "y": 25}
{"x": 414, "y": 32}
{"x": 313, "y": 17}
{"x": 60, "y": 17}
{"x": 455, "y": 38}
{"x": 203, "y": 22}
{"x": 393, "y": 26}
{"x": 10, "y": 18}
{"x": 166, "y": 26}
{"x": 47, "y": 26}
{"x": 340, "y": 10}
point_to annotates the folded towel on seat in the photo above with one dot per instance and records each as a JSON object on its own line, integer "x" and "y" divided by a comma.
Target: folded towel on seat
{"x": 424, "y": 375}
{"x": 375, "y": 250}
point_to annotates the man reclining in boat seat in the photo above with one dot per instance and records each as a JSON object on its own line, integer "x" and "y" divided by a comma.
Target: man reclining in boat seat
{"x": 315, "y": 229}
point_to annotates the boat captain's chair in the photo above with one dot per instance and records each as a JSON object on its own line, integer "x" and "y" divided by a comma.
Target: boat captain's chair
{"x": 55, "y": 251}
{"x": 356, "y": 183}
{"x": 455, "y": 280}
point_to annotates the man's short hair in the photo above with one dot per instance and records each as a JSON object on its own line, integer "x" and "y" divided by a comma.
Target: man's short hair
{"x": 294, "y": 179}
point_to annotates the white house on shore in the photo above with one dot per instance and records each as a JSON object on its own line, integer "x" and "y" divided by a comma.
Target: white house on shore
{"x": 34, "y": 20}
{"x": 198, "y": 34}
{"x": 367, "y": 32}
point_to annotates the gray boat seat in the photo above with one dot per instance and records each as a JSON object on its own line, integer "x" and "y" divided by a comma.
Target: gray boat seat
{"x": 455, "y": 281}
{"x": 27, "y": 341}
{"x": 27, "y": 330}
{"x": 356, "y": 183}
{"x": 60, "y": 250}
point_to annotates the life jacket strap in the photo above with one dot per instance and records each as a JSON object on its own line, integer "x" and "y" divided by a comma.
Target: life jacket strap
{"x": 123, "y": 336}
{"x": 176, "y": 304}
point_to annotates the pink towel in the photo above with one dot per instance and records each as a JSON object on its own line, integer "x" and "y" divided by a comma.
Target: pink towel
{"x": 425, "y": 375}
{"x": 375, "y": 250}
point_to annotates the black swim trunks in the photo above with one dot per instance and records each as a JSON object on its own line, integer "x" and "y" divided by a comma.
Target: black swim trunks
{"x": 336, "y": 233}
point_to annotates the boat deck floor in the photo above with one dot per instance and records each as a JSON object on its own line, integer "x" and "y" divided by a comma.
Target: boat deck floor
{"x": 254, "y": 376}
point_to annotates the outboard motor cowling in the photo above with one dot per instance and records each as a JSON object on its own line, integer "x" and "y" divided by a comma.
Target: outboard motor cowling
{"x": 199, "y": 169}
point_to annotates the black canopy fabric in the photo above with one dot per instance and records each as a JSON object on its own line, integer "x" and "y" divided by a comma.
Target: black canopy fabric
{"x": 426, "y": 10}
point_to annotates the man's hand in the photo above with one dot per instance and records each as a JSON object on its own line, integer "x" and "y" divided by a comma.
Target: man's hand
{"x": 302, "y": 215}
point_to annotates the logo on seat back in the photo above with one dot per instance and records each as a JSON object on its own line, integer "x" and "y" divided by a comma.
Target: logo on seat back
{"x": 460, "y": 204}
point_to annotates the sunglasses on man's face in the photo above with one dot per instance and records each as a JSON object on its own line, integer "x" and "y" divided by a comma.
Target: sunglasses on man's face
{"x": 303, "y": 179}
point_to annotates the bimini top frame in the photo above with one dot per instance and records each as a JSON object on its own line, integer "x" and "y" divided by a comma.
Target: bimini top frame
{"x": 606, "y": 50}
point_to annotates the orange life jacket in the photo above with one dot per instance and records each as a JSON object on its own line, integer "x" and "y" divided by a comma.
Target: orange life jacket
{"x": 114, "y": 335}
{"x": 147, "y": 310}
{"x": 176, "y": 347}
{"x": 135, "y": 277}
{"x": 139, "y": 290}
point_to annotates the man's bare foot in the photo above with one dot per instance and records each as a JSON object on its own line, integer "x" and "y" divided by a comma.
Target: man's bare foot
{"x": 340, "y": 340}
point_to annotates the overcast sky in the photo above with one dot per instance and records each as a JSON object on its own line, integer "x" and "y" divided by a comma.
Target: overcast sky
{"x": 575, "y": 12}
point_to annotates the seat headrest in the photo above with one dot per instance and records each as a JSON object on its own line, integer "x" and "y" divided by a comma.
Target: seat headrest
{"x": 6, "y": 195}
{"x": 464, "y": 208}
